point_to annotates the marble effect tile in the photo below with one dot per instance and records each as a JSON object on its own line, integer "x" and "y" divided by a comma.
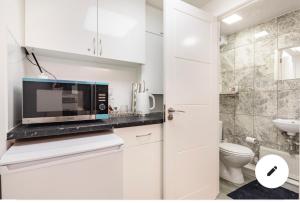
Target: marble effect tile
{"x": 289, "y": 40}
{"x": 289, "y": 22}
{"x": 227, "y": 104}
{"x": 230, "y": 43}
{"x": 254, "y": 70}
{"x": 227, "y": 61}
{"x": 289, "y": 104}
{"x": 227, "y": 81}
{"x": 289, "y": 84}
{"x": 265, "y": 131}
{"x": 228, "y": 125}
{"x": 264, "y": 65}
{"x": 243, "y": 126}
{"x": 270, "y": 27}
{"x": 244, "y": 103}
{"x": 245, "y": 37}
{"x": 282, "y": 143}
{"x": 264, "y": 52}
{"x": 265, "y": 103}
{"x": 244, "y": 57}
{"x": 244, "y": 79}
{"x": 264, "y": 78}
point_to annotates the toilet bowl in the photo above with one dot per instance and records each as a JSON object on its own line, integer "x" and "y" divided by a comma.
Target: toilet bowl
{"x": 232, "y": 158}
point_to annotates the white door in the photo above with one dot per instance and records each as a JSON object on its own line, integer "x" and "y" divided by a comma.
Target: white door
{"x": 121, "y": 27}
{"x": 191, "y": 153}
{"x": 62, "y": 25}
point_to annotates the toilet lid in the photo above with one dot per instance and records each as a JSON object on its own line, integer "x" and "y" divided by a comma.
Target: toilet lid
{"x": 235, "y": 149}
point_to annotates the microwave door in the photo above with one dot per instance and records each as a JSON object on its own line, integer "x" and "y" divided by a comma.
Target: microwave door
{"x": 45, "y": 102}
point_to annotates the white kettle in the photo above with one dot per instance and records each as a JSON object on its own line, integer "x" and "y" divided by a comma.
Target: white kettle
{"x": 143, "y": 103}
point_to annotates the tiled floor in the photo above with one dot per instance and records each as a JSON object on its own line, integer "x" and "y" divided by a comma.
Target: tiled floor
{"x": 227, "y": 187}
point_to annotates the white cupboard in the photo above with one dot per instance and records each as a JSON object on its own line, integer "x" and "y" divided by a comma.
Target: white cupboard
{"x": 154, "y": 19}
{"x": 121, "y": 26}
{"x": 152, "y": 71}
{"x": 142, "y": 161}
{"x": 62, "y": 25}
{"x": 110, "y": 29}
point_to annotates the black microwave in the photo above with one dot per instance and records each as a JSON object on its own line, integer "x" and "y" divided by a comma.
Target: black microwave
{"x": 48, "y": 101}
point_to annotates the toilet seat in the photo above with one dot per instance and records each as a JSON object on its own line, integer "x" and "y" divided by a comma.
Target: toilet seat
{"x": 235, "y": 149}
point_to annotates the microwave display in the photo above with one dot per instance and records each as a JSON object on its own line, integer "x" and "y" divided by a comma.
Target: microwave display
{"x": 59, "y": 100}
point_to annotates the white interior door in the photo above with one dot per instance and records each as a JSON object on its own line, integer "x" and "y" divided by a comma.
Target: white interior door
{"x": 191, "y": 152}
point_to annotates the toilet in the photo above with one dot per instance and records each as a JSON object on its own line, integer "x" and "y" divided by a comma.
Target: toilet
{"x": 232, "y": 158}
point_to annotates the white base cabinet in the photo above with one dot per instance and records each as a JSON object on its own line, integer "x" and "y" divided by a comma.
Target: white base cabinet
{"x": 142, "y": 162}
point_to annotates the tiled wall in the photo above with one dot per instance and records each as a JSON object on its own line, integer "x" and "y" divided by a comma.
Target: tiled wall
{"x": 249, "y": 63}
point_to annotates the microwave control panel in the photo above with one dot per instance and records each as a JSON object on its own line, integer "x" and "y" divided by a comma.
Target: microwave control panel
{"x": 101, "y": 99}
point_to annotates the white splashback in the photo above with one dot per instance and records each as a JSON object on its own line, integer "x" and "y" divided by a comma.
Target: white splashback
{"x": 15, "y": 71}
{"x": 120, "y": 78}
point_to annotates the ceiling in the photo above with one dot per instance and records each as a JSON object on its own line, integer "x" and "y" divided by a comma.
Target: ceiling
{"x": 257, "y": 12}
{"x": 197, "y": 3}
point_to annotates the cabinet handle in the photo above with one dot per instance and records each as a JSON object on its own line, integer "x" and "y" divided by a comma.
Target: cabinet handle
{"x": 100, "y": 43}
{"x": 144, "y": 135}
{"x": 94, "y": 45}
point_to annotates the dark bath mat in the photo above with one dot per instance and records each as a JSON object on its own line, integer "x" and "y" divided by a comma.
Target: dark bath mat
{"x": 254, "y": 190}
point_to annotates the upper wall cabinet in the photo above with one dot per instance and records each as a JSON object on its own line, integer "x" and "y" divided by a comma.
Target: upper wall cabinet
{"x": 152, "y": 71}
{"x": 110, "y": 29}
{"x": 154, "y": 20}
{"x": 62, "y": 25}
{"x": 121, "y": 25}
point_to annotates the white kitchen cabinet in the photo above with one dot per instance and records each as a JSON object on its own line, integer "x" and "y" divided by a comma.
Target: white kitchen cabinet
{"x": 154, "y": 20}
{"x": 62, "y": 25}
{"x": 121, "y": 27}
{"x": 142, "y": 158}
{"x": 108, "y": 29}
{"x": 152, "y": 71}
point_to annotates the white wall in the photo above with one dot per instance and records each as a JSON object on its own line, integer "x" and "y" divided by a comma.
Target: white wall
{"x": 120, "y": 78}
{"x": 15, "y": 72}
{"x": 3, "y": 79}
{"x": 11, "y": 63}
{"x": 15, "y": 59}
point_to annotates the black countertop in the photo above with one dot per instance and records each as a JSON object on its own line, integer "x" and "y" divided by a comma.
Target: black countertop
{"x": 59, "y": 129}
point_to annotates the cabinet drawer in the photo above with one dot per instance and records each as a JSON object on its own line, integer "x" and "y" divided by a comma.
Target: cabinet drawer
{"x": 133, "y": 136}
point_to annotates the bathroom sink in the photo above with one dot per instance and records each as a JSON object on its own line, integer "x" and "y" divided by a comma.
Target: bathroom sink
{"x": 290, "y": 126}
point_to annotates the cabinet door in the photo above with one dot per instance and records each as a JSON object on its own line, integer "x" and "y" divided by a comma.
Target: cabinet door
{"x": 152, "y": 71}
{"x": 121, "y": 27}
{"x": 143, "y": 171}
{"x": 62, "y": 25}
{"x": 154, "y": 20}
